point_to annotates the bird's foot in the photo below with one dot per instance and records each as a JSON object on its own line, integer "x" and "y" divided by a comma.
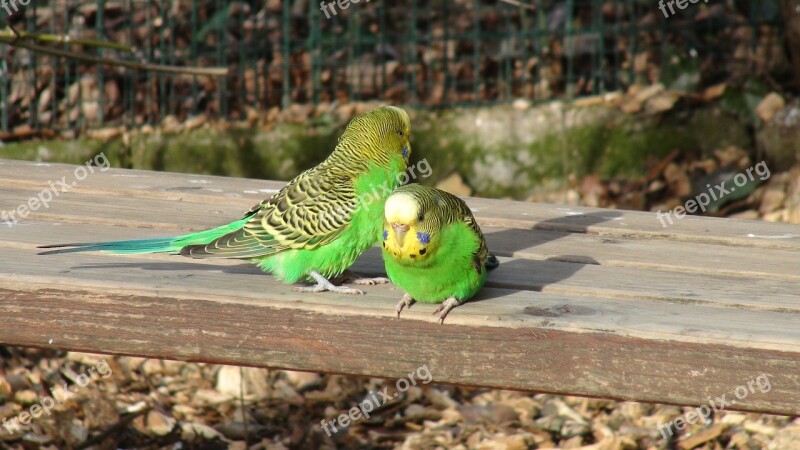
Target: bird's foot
{"x": 446, "y": 307}
{"x": 324, "y": 285}
{"x": 351, "y": 277}
{"x": 404, "y": 302}
{"x": 371, "y": 281}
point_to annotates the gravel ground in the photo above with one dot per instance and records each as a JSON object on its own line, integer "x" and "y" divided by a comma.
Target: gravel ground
{"x": 123, "y": 402}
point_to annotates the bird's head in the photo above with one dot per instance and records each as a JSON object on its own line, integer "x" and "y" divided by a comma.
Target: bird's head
{"x": 411, "y": 225}
{"x": 379, "y": 134}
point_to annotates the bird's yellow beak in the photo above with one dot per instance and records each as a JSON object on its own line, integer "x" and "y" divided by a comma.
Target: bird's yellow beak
{"x": 400, "y": 230}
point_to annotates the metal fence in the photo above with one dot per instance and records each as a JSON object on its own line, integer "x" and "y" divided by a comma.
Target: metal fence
{"x": 434, "y": 53}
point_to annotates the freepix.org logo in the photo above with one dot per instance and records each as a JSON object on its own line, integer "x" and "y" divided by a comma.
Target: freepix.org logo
{"x": 672, "y": 4}
{"x": 10, "y": 6}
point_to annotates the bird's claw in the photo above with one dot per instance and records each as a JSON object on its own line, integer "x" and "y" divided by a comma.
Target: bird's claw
{"x": 446, "y": 307}
{"x": 404, "y": 302}
{"x": 331, "y": 288}
{"x": 324, "y": 285}
{"x": 348, "y": 276}
{"x": 371, "y": 281}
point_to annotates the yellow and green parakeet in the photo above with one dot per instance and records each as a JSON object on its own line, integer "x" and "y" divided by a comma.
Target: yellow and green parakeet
{"x": 433, "y": 248}
{"x": 316, "y": 226}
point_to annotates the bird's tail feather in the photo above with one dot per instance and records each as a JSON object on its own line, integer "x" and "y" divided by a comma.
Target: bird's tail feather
{"x": 139, "y": 246}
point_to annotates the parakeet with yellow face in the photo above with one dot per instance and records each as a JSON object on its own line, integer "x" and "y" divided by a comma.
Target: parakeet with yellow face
{"x": 433, "y": 248}
{"x": 314, "y": 228}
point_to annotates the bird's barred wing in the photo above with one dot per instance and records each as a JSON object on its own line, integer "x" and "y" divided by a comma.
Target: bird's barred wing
{"x": 480, "y": 255}
{"x": 464, "y": 214}
{"x": 309, "y": 212}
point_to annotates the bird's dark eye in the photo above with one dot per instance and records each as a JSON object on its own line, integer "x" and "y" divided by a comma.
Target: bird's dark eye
{"x": 400, "y": 133}
{"x": 421, "y": 217}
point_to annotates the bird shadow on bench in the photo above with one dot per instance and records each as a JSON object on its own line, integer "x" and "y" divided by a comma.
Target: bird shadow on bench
{"x": 243, "y": 268}
{"x": 517, "y": 273}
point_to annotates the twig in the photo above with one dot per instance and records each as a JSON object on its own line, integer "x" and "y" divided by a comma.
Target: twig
{"x": 241, "y": 405}
{"x": 14, "y": 33}
{"x": 205, "y": 71}
{"x": 521, "y": 5}
{"x": 61, "y": 39}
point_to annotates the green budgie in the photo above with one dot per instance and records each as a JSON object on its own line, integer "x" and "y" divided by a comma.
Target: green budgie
{"x": 433, "y": 248}
{"x": 316, "y": 226}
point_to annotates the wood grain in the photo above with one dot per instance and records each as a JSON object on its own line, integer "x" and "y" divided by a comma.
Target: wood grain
{"x": 586, "y": 301}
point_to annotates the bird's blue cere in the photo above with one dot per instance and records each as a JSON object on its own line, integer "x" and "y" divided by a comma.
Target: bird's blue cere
{"x": 423, "y": 238}
{"x": 385, "y": 234}
{"x": 405, "y": 152}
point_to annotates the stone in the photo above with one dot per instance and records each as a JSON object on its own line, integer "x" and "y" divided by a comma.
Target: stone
{"x": 455, "y": 185}
{"x": 769, "y": 106}
{"x": 521, "y": 104}
{"x": 154, "y": 423}
{"x": 661, "y": 103}
{"x": 302, "y": 380}
{"x": 779, "y": 139}
{"x": 701, "y": 437}
{"x": 773, "y": 199}
{"x": 229, "y": 379}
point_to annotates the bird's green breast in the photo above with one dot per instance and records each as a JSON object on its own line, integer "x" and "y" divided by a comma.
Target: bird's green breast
{"x": 372, "y": 189}
{"x": 448, "y": 272}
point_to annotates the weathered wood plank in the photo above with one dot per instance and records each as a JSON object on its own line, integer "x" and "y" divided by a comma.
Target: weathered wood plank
{"x": 580, "y": 248}
{"x": 230, "y": 282}
{"x": 587, "y": 301}
{"x": 596, "y": 364}
{"x": 176, "y": 216}
{"x": 651, "y": 254}
{"x": 500, "y": 213}
{"x": 580, "y": 278}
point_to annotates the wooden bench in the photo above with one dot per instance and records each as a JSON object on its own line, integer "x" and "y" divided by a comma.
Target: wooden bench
{"x": 589, "y": 302}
